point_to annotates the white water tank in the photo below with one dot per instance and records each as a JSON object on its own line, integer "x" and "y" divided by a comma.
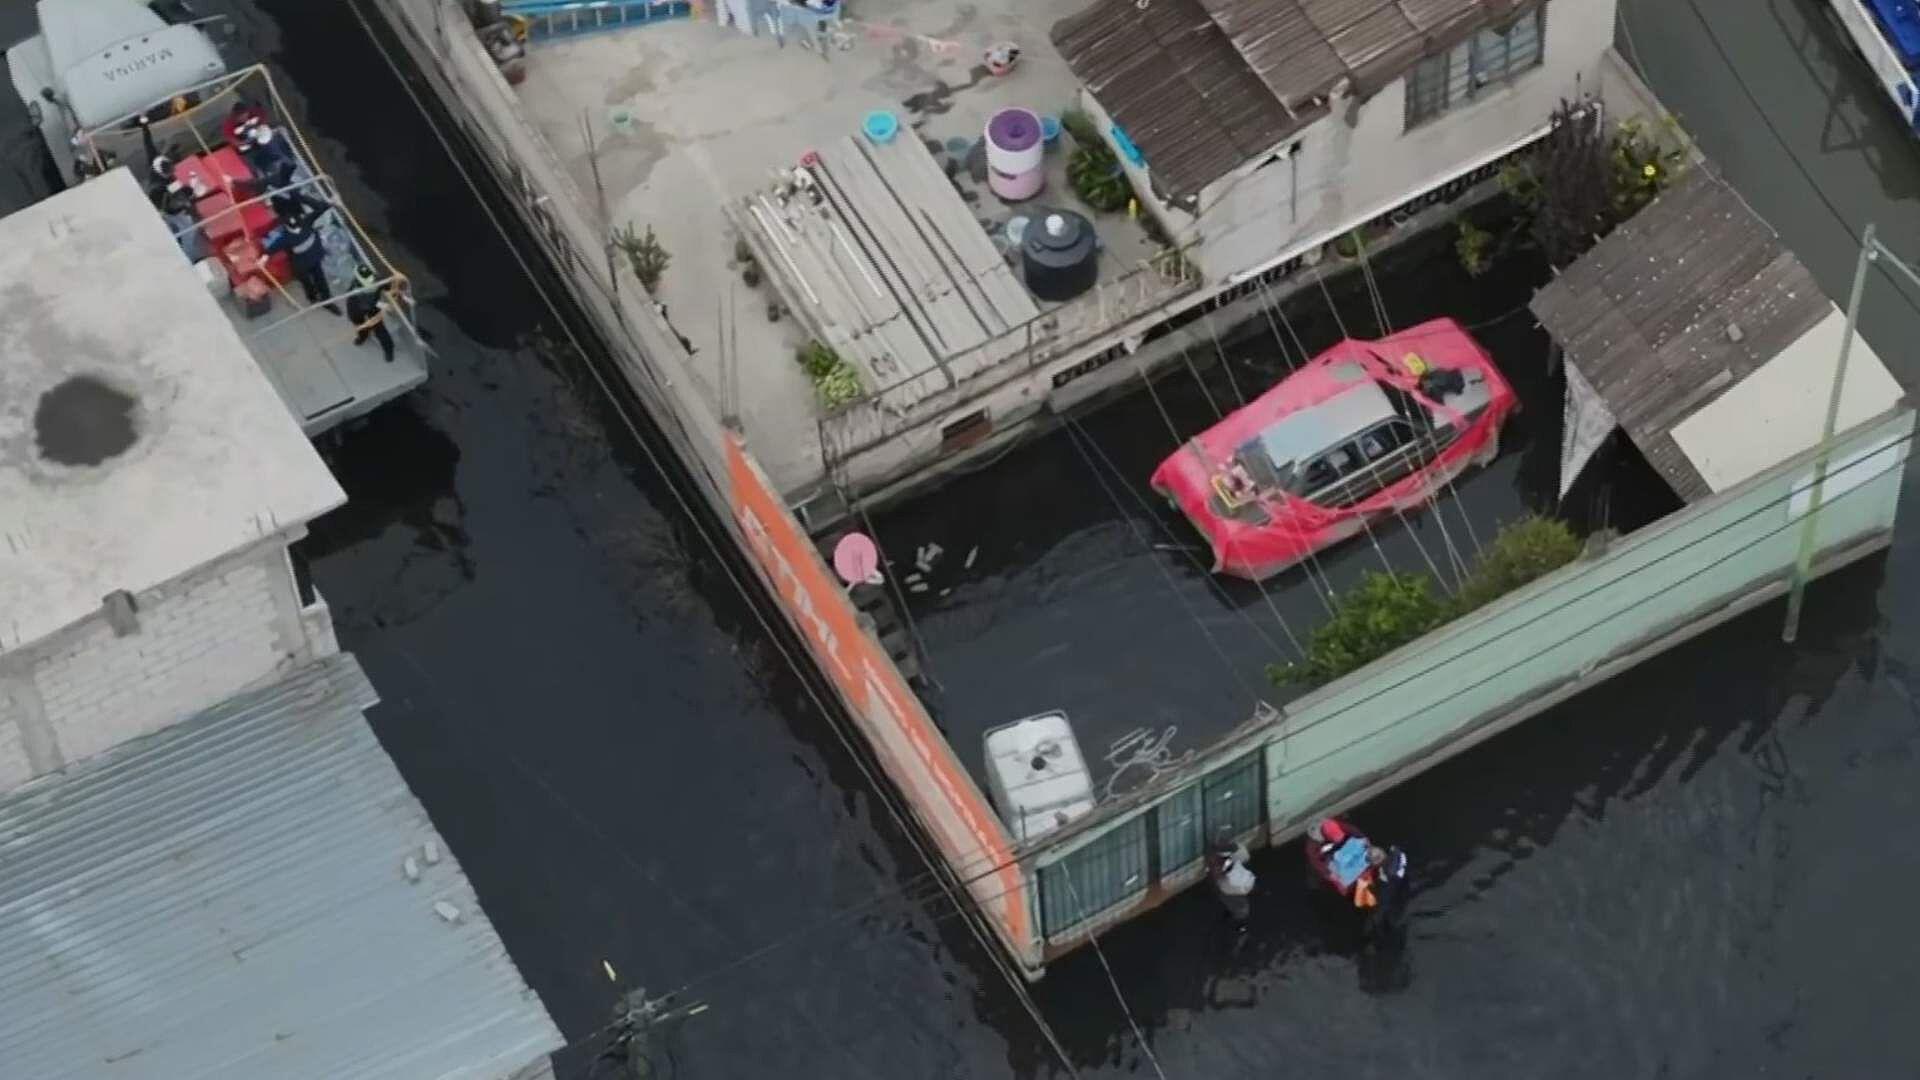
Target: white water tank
{"x": 1037, "y": 775}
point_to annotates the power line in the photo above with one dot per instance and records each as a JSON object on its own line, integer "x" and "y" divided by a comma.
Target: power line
{"x": 1380, "y": 302}
{"x": 700, "y": 527}
{"x": 1324, "y": 586}
{"x": 1172, "y": 585}
{"x": 820, "y": 704}
{"x": 813, "y": 930}
{"x": 1093, "y": 938}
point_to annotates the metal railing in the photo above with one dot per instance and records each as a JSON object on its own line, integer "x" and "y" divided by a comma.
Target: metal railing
{"x": 923, "y": 396}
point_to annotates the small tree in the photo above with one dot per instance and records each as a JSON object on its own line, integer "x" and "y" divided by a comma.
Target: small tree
{"x": 1580, "y": 182}
{"x": 1522, "y": 551}
{"x": 646, "y": 256}
{"x": 1383, "y": 613}
{"x": 1563, "y": 186}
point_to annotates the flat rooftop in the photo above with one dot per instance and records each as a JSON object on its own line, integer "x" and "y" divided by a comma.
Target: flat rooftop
{"x": 689, "y": 118}
{"x": 138, "y": 437}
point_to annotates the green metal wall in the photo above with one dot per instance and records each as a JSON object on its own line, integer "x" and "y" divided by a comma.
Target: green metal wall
{"x": 1407, "y": 709}
{"x": 1414, "y": 702}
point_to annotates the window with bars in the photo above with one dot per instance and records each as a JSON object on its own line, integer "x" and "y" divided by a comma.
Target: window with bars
{"x": 1487, "y": 60}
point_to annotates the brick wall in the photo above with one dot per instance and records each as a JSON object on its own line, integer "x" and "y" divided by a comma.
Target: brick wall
{"x": 222, "y": 629}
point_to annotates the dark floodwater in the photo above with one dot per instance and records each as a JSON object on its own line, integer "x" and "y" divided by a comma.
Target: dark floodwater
{"x": 1087, "y": 593}
{"x": 1699, "y": 870}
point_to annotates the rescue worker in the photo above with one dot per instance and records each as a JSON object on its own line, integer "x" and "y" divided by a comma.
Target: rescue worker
{"x": 177, "y": 210}
{"x": 299, "y": 237}
{"x": 269, "y": 155}
{"x": 160, "y": 181}
{"x": 366, "y": 308}
{"x": 1232, "y": 878}
{"x": 288, "y": 203}
{"x": 243, "y": 115}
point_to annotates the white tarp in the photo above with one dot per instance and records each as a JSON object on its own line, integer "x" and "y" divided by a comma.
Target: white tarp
{"x": 1588, "y": 423}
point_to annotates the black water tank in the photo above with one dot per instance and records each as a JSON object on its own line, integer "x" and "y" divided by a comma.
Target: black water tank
{"x": 1060, "y": 255}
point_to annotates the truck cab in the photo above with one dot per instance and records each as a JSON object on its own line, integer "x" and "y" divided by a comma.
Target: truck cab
{"x": 98, "y": 63}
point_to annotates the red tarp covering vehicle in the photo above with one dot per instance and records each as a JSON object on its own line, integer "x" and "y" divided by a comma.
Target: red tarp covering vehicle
{"x": 1361, "y": 430}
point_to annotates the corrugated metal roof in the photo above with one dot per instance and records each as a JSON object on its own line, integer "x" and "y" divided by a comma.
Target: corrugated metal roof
{"x": 224, "y": 900}
{"x": 1172, "y": 80}
{"x": 1644, "y": 315}
{"x": 1195, "y": 82}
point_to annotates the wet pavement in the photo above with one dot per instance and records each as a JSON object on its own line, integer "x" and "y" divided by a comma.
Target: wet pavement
{"x": 1700, "y": 869}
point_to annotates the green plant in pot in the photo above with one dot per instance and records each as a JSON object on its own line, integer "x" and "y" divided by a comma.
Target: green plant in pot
{"x": 1096, "y": 176}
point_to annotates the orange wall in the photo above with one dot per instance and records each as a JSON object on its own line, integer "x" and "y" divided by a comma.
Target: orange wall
{"x": 897, "y": 727}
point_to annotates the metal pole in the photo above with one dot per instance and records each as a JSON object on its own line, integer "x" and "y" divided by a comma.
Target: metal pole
{"x": 1803, "y": 564}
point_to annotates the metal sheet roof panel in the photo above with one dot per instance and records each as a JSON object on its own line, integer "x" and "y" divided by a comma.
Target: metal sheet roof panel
{"x": 1645, "y": 314}
{"x": 225, "y": 899}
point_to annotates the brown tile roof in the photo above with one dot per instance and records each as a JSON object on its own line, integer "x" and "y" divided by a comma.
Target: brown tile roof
{"x": 1170, "y": 78}
{"x": 1644, "y": 315}
{"x": 1203, "y": 85}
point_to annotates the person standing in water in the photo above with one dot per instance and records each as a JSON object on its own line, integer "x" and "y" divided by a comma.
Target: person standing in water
{"x": 1232, "y": 878}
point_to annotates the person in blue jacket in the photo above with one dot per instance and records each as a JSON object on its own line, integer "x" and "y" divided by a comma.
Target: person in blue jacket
{"x": 299, "y": 237}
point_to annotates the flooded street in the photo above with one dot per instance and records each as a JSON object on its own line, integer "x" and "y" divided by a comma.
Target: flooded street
{"x": 1700, "y": 869}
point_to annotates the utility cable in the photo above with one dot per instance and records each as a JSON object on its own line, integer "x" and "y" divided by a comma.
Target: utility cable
{"x": 1438, "y": 578}
{"x": 1380, "y": 303}
{"x": 1172, "y": 585}
{"x": 1093, "y": 938}
{"x": 1324, "y": 586}
{"x": 1205, "y": 571}
{"x": 990, "y": 947}
{"x": 900, "y": 892}
{"x": 1380, "y": 313}
{"x": 998, "y": 867}
{"x": 1366, "y": 526}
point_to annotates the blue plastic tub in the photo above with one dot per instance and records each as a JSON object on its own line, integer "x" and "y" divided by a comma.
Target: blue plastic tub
{"x": 880, "y": 126}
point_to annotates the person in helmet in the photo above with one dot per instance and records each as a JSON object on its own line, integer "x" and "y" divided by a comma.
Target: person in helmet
{"x": 240, "y": 120}
{"x": 267, "y": 152}
{"x": 366, "y": 308}
{"x": 299, "y": 236}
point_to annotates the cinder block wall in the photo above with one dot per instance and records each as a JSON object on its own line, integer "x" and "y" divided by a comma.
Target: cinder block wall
{"x": 234, "y": 624}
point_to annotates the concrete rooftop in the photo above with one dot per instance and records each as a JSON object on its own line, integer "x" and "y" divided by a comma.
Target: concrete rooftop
{"x": 711, "y": 114}
{"x": 138, "y": 438}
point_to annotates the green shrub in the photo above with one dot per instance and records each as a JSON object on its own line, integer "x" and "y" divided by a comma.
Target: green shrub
{"x": 1386, "y": 611}
{"x": 1078, "y": 124}
{"x": 1095, "y": 174}
{"x": 835, "y": 382}
{"x": 646, "y": 255}
{"x": 1638, "y": 168}
{"x": 1474, "y": 246}
{"x": 1522, "y": 551}
{"x": 1383, "y": 613}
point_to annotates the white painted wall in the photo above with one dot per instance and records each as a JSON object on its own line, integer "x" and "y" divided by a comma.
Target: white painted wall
{"x": 226, "y": 627}
{"x": 1350, "y": 171}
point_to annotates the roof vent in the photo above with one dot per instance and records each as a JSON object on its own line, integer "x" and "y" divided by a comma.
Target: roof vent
{"x": 1735, "y": 334}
